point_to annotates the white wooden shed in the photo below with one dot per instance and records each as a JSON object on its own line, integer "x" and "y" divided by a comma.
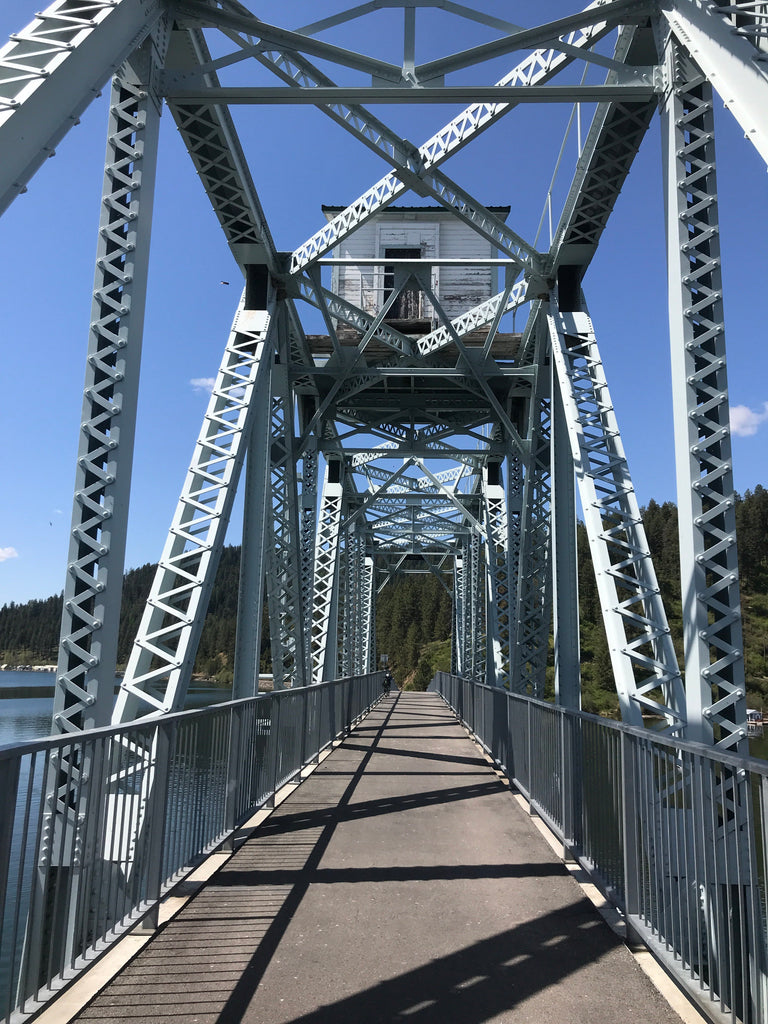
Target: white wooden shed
{"x": 414, "y": 233}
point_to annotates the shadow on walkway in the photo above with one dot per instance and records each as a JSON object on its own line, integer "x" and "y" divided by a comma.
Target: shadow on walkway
{"x": 376, "y": 893}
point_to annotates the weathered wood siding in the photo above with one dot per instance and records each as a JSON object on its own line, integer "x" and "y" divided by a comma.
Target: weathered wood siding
{"x": 457, "y": 288}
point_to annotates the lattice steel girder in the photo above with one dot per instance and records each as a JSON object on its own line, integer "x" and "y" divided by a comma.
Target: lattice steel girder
{"x": 160, "y": 665}
{"x": 533, "y": 584}
{"x": 488, "y": 312}
{"x": 500, "y": 604}
{"x": 354, "y": 614}
{"x": 327, "y": 574}
{"x": 84, "y": 692}
{"x": 565, "y": 579}
{"x": 418, "y": 165}
{"x": 253, "y": 554}
{"x": 639, "y": 639}
{"x": 52, "y": 69}
{"x": 368, "y": 610}
{"x": 476, "y": 598}
{"x": 714, "y": 660}
{"x": 460, "y": 645}
{"x": 308, "y": 534}
{"x": 734, "y": 66}
{"x": 213, "y": 145}
{"x": 286, "y": 615}
{"x": 611, "y": 144}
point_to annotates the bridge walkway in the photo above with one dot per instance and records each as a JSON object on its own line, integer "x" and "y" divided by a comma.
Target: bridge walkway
{"x": 401, "y": 881}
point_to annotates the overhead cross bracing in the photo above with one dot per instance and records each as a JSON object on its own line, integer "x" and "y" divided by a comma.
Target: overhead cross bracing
{"x": 412, "y": 373}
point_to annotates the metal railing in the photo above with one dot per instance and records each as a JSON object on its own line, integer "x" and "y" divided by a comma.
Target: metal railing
{"x": 88, "y": 852}
{"x": 675, "y": 834}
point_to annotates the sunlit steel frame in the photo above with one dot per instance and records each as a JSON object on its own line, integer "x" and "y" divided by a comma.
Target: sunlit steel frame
{"x": 93, "y": 584}
{"x": 714, "y": 652}
{"x": 639, "y": 639}
{"x": 49, "y": 72}
{"x": 161, "y": 662}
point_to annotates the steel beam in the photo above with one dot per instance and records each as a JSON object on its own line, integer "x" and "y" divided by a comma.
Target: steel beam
{"x": 714, "y": 659}
{"x": 284, "y": 594}
{"x": 500, "y": 586}
{"x": 642, "y": 654}
{"x": 50, "y": 72}
{"x": 253, "y": 555}
{"x": 728, "y": 44}
{"x": 533, "y": 585}
{"x": 327, "y": 551}
{"x": 84, "y": 692}
{"x": 565, "y": 579}
{"x": 163, "y": 655}
{"x": 254, "y": 95}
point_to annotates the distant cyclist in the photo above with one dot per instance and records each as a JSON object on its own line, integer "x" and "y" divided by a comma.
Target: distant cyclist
{"x": 387, "y": 684}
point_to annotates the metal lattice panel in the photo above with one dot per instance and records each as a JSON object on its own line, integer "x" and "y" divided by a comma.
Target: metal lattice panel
{"x": 500, "y": 603}
{"x": 326, "y": 576}
{"x": 534, "y": 573}
{"x": 52, "y": 69}
{"x": 639, "y": 639}
{"x": 94, "y": 578}
{"x": 160, "y": 664}
{"x": 714, "y": 659}
{"x": 308, "y": 532}
{"x": 286, "y": 616}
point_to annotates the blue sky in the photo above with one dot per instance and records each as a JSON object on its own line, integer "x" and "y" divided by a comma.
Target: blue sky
{"x": 300, "y": 160}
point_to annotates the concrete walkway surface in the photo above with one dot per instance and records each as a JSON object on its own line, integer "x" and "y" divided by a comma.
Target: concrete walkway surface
{"x": 400, "y": 882}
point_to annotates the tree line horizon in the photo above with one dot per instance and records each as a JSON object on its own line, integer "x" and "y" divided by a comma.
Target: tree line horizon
{"x": 413, "y": 614}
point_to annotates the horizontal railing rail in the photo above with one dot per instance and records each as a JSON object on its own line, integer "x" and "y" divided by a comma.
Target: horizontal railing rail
{"x": 675, "y": 834}
{"x": 88, "y": 850}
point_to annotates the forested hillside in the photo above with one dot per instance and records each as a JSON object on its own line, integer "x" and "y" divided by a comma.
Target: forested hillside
{"x": 413, "y": 615}
{"x": 661, "y": 529}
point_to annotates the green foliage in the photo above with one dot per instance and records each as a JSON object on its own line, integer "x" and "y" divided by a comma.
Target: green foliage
{"x": 411, "y": 611}
{"x": 29, "y": 633}
{"x": 413, "y": 614}
{"x": 434, "y": 657}
{"x": 660, "y": 521}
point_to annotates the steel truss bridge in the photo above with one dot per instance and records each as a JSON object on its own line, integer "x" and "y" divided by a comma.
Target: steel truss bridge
{"x": 382, "y": 450}
{"x": 444, "y": 449}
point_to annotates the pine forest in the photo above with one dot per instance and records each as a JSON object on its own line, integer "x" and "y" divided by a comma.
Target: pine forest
{"x": 413, "y": 614}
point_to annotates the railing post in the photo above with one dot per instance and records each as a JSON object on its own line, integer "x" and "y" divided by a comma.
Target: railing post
{"x": 629, "y": 834}
{"x": 529, "y": 718}
{"x": 163, "y": 742}
{"x": 566, "y": 787}
{"x": 572, "y": 830}
{"x": 9, "y": 785}
{"x": 304, "y": 726}
{"x": 274, "y": 746}
{"x": 234, "y": 758}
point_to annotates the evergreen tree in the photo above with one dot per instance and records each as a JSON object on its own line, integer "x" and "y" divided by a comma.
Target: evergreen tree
{"x": 414, "y": 612}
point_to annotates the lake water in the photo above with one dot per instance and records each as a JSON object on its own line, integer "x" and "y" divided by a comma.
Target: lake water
{"x": 28, "y": 717}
